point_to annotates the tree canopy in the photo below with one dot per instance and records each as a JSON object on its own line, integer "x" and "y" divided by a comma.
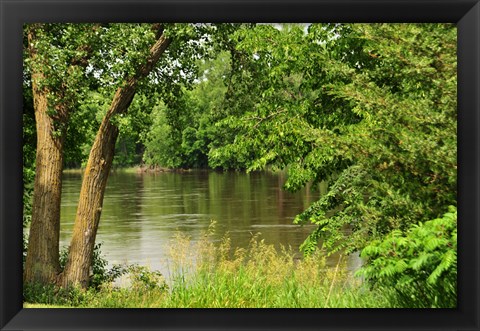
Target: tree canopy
{"x": 368, "y": 108}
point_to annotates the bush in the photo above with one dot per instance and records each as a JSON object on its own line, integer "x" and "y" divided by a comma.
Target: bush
{"x": 53, "y": 295}
{"x": 144, "y": 279}
{"x": 74, "y": 296}
{"x": 100, "y": 273}
{"x": 146, "y": 289}
{"x": 419, "y": 268}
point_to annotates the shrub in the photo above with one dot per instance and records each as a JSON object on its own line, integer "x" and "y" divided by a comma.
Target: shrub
{"x": 74, "y": 296}
{"x": 100, "y": 273}
{"x": 419, "y": 268}
{"x": 144, "y": 279}
{"x": 53, "y": 295}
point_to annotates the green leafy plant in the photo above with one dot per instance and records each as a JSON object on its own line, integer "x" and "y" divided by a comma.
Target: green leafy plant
{"x": 144, "y": 279}
{"x": 369, "y": 109}
{"x": 101, "y": 274}
{"x": 418, "y": 268}
{"x": 53, "y": 295}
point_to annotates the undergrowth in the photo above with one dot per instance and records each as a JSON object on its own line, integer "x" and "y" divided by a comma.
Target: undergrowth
{"x": 217, "y": 275}
{"x": 418, "y": 268}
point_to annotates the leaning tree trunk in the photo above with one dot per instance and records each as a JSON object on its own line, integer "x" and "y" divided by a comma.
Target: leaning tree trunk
{"x": 42, "y": 262}
{"x": 90, "y": 204}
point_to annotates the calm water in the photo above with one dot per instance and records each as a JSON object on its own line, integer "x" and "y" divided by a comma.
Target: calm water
{"x": 142, "y": 212}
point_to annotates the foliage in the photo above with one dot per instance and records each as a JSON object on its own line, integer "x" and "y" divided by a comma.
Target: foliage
{"x": 24, "y": 249}
{"x": 82, "y": 65}
{"x": 184, "y": 131}
{"x": 143, "y": 279}
{"x": 129, "y": 147}
{"x": 260, "y": 277}
{"x": 74, "y": 296}
{"x": 28, "y": 150}
{"x": 68, "y": 62}
{"x": 160, "y": 146}
{"x": 87, "y": 118}
{"x": 28, "y": 180}
{"x": 52, "y": 295}
{"x": 144, "y": 283}
{"x": 418, "y": 268}
{"x": 401, "y": 157}
{"x": 368, "y": 108}
{"x": 100, "y": 274}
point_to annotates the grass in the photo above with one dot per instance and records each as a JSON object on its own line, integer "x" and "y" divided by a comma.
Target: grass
{"x": 215, "y": 275}
{"x": 41, "y": 305}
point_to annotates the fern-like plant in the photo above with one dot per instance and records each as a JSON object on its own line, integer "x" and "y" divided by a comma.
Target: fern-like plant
{"x": 417, "y": 268}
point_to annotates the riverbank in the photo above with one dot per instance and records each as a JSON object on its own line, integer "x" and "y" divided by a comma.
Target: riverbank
{"x": 152, "y": 169}
{"x": 222, "y": 295}
{"x": 223, "y": 277}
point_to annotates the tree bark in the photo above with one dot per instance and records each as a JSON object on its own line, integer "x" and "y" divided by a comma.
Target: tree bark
{"x": 76, "y": 272}
{"x": 42, "y": 262}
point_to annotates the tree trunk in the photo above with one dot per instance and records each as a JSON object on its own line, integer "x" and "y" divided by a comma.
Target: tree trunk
{"x": 90, "y": 204}
{"x": 42, "y": 262}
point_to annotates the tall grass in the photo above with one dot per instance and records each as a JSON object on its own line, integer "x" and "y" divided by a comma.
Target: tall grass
{"x": 215, "y": 274}
{"x": 259, "y": 276}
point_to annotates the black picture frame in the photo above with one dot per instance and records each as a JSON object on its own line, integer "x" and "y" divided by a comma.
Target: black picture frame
{"x": 14, "y": 13}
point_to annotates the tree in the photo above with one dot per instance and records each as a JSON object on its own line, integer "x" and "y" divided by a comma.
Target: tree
{"x": 56, "y": 81}
{"x": 402, "y": 154}
{"x": 102, "y": 58}
{"x": 368, "y": 108}
{"x": 98, "y": 167}
{"x": 182, "y": 132}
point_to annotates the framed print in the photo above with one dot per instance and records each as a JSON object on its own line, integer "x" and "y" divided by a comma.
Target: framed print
{"x": 274, "y": 154}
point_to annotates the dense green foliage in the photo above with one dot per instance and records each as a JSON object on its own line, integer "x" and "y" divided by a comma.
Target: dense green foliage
{"x": 368, "y": 108}
{"x": 129, "y": 147}
{"x": 28, "y": 150}
{"x": 183, "y": 132}
{"x": 83, "y": 65}
{"x": 100, "y": 273}
{"x": 419, "y": 268}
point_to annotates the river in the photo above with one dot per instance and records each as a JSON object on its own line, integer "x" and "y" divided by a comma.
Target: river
{"x": 143, "y": 211}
